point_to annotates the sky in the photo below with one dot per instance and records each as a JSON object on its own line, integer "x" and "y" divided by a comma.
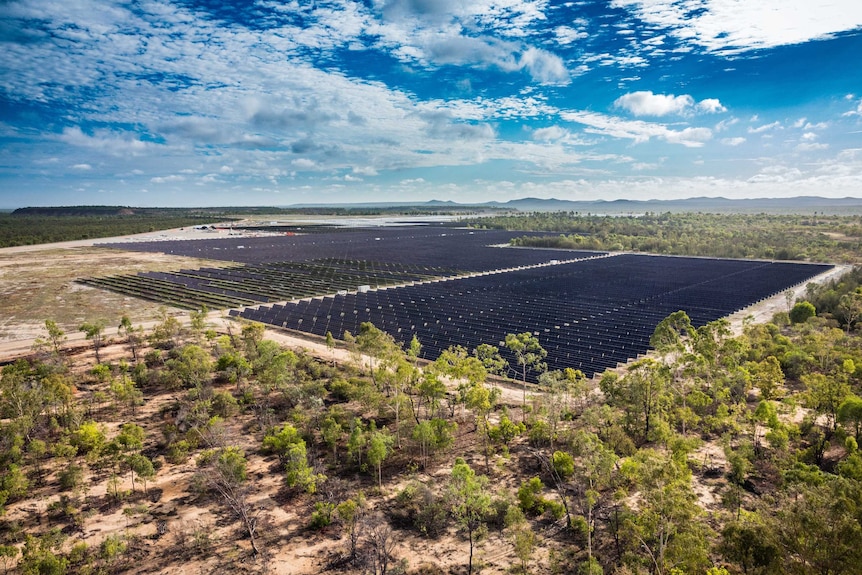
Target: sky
{"x": 234, "y": 102}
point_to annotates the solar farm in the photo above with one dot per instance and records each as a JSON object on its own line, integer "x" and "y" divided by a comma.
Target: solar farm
{"x": 448, "y": 286}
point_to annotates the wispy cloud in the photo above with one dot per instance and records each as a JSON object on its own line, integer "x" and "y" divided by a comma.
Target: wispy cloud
{"x": 639, "y": 131}
{"x": 764, "y": 128}
{"x": 736, "y": 27}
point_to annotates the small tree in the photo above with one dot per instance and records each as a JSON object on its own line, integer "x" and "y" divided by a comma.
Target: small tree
{"x": 131, "y": 437}
{"x": 56, "y": 337}
{"x": 530, "y": 355}
{"x": 8, "y": 553}
{"x": 331, "y": 431}
{"x": 225, "y": 473}
{"x": 141, "y": 466}
{"x": 470, "y": 502}
{"x": 133, "y": 336}
{"x": 94, "y": 332}
{"x": 380, "y": 540}
{"x": 802, "y": 312}
{"x": 350, "y": 514}
{"x": 291, "y": 450}
{"x": 850, "y": 414}
{"x": 379, "y": 448}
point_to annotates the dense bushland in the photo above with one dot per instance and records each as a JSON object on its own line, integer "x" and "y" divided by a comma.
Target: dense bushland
{"x": 783, "y": 237}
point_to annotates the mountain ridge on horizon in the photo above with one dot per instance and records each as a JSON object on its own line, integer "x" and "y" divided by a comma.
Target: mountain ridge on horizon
{"x": 622, "y": 205}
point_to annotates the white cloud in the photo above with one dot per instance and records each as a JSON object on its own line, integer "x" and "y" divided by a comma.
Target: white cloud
{"x": 567, "y": 35}
{"x": 725, "y": 124}
{"x": 637, "y": 130}
{"x": 550, "y": 133}
{"x": 732, "y": 141}
{"x": 168, "y": 179}
{"x": 764, "y": 128}
{"x": 857, "y": 111}
{"x": 544, "y": 67}
{"x": 304, "y": 164}
{"x": 711, "y": 106}
{"x": 645, "y": 103}
{"x": 730, "y": 27}
{"x": 811, "y": 147}
{"x": 365, "y": 170}
{"x": 82, "y": 167}
{"x": 112, "y": 143}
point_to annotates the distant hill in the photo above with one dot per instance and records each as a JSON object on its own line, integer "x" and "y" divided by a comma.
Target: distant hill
{"x": 801, "y": 205}
{"x": 797, "y": 205}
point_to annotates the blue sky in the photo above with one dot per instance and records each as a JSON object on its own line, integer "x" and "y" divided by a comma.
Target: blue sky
{"x": 217, "y": 102}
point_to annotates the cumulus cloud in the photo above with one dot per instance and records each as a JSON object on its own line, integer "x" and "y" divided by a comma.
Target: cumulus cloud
{"x": 646, "y": 103}
{"x": 711, "y": 106}
{"x": 544, "y": 67}
{"x": 726, "y": 124}
{"x": 567, "y": 35}
{"x": 304, "y": 164}
{"x": 733, "y": 141}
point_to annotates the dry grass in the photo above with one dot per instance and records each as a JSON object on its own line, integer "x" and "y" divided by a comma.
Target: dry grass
{"x": 39, "y": 285}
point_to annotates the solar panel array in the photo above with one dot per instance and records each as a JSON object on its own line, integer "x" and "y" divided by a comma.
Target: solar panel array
{"x": 589, "y": 315}
{"x": 590, "y": 311}
{"x": 432, "y": 246}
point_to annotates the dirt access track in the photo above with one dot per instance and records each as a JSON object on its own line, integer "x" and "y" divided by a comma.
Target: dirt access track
{"x": 37, "y": 283}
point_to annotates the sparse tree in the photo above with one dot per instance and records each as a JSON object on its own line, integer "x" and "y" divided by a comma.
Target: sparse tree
{"x": 530, "y": 355}
{"x": 470, "y": 502}
{"x": 134, "y": 336}
{"x": 141, "y": 466}
{"x": 380, "y": 541}
{"x": 350, "y": 513}
{"x": 225, "y": 473}
{"x": 379, "y": 448}
{"x": 94, "y": 332}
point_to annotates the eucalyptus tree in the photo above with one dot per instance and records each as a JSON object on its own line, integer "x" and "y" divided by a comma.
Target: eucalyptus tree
{"x": 134, "y": 336}
{"x": 94, "y": 331}
{"x": 529, "y": 355}
{"x": 642, "y": 394}
{"x": 469, "y": 500}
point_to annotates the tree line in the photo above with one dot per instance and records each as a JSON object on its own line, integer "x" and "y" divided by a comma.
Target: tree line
{"x": 760, "y": 236}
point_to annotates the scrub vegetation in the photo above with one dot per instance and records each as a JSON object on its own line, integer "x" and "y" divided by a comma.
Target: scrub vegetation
{"x": 217, "y": 449}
